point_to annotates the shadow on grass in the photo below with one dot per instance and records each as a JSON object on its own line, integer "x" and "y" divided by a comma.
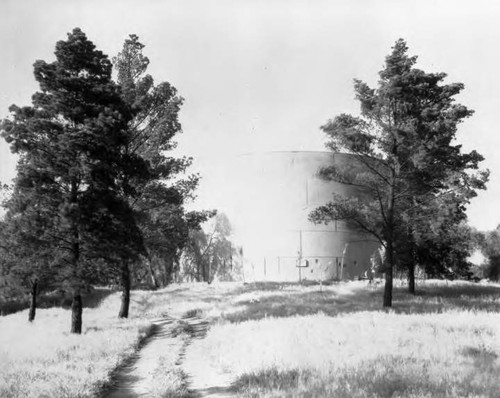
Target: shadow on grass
{"x": 269, "y": 379}
{"x": 429, "y": 299}
{"x": 202, "y": 293}
{"x": 254, "y": 301}
{"x": 298, "y": 304}
{"x": 481, "y": 357}
{"x": 390, "y": 376}
{"x": 435, "y": 299}
{"x": 90, "y": 299}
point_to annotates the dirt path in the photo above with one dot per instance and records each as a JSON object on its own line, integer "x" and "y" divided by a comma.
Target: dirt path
{"x": 134, "y": 379}
{"x": 203, "y": 380}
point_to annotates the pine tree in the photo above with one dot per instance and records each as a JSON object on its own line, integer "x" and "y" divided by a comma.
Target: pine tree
{"x": 158, "y": 200}
{"x": 72, "y": 164}
{"x": 404, "y": 145}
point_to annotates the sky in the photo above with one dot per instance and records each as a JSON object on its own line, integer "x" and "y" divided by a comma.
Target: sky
{"x": 265, "y": 75}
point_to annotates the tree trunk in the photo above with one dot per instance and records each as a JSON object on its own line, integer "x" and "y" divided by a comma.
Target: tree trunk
{"x": 153, "y": 276}
{"x": 199, "y": 270}
{"x": 389, "y": 267}
{"x": 411, "y": 278}
{"x": 169, "y": 266}
{"x": 125, "y": 282}
{"x": 76, "y": 305}
{"x": 212, "y": 271}
{"x": 76, "y": 312}
{"x": 203, "y": 267}
{"x": 207, "y": 272}
{"x": 33, "y": 294}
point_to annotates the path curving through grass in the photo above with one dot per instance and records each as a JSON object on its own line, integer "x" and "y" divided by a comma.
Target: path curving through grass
{"x": 141, "y": 374}
{"x": 134, "y": 378}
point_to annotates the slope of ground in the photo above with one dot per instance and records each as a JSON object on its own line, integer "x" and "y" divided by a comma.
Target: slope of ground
{"x": 269, "y": 340}
{"x": 443, "y": 342}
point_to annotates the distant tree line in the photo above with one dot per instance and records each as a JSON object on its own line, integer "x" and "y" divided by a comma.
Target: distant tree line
{"x": 97, "y": 198}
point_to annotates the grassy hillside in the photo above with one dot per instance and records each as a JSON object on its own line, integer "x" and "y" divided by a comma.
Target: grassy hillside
{"x": 443, "y": 342}
{"x": 275, "y": 340}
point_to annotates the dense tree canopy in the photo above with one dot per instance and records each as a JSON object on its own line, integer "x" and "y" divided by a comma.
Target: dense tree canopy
{"x": 73, "y": 167}
{"x": 97, "y": 196}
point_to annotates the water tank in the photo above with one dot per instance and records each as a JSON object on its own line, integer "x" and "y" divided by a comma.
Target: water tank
{"x": 267, "y": 198}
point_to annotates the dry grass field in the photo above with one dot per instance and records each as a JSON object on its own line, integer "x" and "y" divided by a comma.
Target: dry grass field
{"x": 275, "y": 340}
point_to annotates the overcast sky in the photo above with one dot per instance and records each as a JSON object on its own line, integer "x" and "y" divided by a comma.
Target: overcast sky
{"x": 264, "y": 75}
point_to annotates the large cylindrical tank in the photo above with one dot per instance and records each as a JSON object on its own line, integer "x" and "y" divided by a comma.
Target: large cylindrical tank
{"x": 268, "y": 197}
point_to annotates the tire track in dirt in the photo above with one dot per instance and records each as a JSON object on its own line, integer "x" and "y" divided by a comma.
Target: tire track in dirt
{"x": 134, "y": 378}
{"x": 203, "y": 380}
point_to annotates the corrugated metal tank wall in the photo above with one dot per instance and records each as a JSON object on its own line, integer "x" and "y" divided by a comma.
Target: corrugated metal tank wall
{"x": 268, "y": 199}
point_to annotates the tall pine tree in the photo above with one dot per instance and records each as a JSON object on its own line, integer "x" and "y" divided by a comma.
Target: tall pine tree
{"x": 404, "y": 144}
{"x": 72, "y": 165}
{"x": 157, "y": 201}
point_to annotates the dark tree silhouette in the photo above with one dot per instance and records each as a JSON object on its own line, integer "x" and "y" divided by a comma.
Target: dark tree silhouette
{"x": 72, "y": 165}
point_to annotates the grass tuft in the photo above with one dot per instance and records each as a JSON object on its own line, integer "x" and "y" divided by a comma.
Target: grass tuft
{"x": 271, "y": 379}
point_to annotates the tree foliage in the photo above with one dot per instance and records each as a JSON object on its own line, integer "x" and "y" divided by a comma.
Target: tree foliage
{"x": 157, "y": 201}
{"x": 97, "y": 196}
{"x": 73, "y": 167}
{"x": 25, "y": 258}
{"x": 489, "y": 244}
{"x": 406, "y": 157}
{"x": 210, "y": 254}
